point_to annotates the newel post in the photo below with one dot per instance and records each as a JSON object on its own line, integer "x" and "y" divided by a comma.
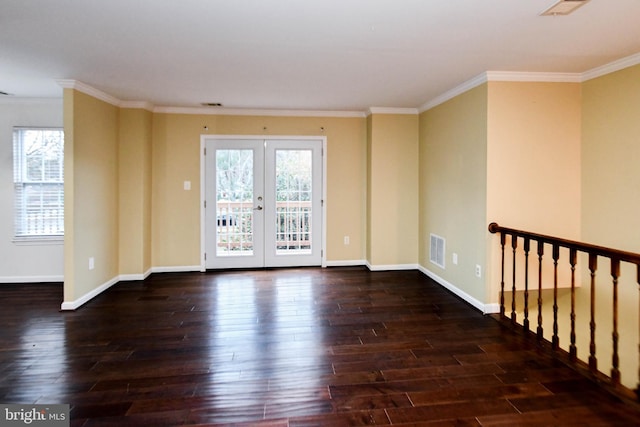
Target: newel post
{"x": 493, "y": 228}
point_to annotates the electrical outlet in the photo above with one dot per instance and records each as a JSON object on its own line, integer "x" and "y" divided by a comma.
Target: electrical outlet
{"x": 454, "y": 258}
{"x": 346, "y": 240}
{"x": 187, "y": 185}
{"x": 478, "y": 271}
{"x": 92, "y": 263}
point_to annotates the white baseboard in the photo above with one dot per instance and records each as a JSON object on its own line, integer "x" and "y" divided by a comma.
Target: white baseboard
{"x": 492, "y": 308}
{"x": 176, "y": 269}
{"x": 346, "y": 263}
{"x": 134, "y": 277}
{"x": 31, "y": 279}
{"x": 74, "y": 305}
{"x": 484, "y": 308}
{"x": 392, "y": 267}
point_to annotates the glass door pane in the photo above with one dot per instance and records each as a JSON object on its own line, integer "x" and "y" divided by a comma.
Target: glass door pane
{"x": 234, "y": 202}
{"x": 262, "y": 203}
{"x": 234, "y": 216}
{"x": 293, "y": 192}
{"x": 293, "y": 208}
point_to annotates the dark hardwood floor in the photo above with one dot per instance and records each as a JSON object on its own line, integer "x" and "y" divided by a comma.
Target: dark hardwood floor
{"x": 290, "y": 347}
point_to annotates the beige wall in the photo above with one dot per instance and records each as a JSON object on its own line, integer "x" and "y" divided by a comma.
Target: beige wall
{"x": 610, "y": 160}
{"x": 134, "y": 189}
{"x": 126, "y": 206}
{"x": 369, "y": 150}
{"x": 176, "y": 158}
{"x": 91, "y": 193}
{"x": 453, "y": 176}
{"x": 533, "y": 166}
{"x": 68, "y": 107}
{"x": 393, "y": 190}
{"x": 611, "y": 202}
{"x": 507, "y": 152}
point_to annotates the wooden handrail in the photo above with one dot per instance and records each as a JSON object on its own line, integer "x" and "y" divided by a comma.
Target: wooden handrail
{"x": 593, "y": 251}
{"x": 572, "y": 244}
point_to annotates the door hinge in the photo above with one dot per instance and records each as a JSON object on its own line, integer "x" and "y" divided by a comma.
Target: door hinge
{"x": 205, "y": 151}
{"x": 205, "y": 204}
{"x": 205, "y": 256}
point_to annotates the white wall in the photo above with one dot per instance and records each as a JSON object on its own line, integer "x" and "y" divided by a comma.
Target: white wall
{"x": 34, "y": 262}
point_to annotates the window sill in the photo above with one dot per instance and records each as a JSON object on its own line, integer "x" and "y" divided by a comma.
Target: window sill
{"x": 38, "y": 240}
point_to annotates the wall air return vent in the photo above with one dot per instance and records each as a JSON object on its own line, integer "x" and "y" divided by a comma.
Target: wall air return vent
{"x": 563, "y": 7}
{"x": 436, "y": 253}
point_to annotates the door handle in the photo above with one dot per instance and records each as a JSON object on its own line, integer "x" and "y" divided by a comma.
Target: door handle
{"x": 259, "y": 208}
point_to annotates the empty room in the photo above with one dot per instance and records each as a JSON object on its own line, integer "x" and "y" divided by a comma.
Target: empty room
{"x": 320, "y": 213}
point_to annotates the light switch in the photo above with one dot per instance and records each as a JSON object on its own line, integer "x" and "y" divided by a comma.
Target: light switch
{"x": 187, "y": 185}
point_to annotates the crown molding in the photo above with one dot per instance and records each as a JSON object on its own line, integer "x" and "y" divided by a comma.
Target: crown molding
{"x": 503, "y": 76}
{"x": 487, "y": 76}
{"x": 509, "y": 76}
{"x": 517, "y": 76}
{"x": 143, "y": 105}
{"x": 89, "y": 90}
{"x": 390, "y": 110}
{"x": 102, "y": 96}
{"x": 612, "y": 67}
{"x": 217, "y": 111}
{"x": 96, "y": 93}
{"x": 452, "y": 93}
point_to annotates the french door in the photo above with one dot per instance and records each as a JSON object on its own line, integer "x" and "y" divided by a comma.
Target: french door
{"x": 262, "y": 202}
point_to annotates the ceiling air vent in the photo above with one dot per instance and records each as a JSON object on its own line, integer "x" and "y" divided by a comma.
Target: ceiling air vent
{"x": 563, "y": 7}
{"x": 211, "y": 104}
{"x": 436, "y": 254}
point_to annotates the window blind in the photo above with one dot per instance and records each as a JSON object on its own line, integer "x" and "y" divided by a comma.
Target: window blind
{"x": 38, "y": 159}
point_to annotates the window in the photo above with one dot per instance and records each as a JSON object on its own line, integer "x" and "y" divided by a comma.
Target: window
{"x": 38, "y": 166}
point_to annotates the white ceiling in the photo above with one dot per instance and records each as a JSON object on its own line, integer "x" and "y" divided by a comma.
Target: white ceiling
{"x": 345, "y": 55}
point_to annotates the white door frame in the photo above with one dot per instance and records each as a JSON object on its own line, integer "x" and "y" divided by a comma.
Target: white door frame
{"x": 203, "y": 141}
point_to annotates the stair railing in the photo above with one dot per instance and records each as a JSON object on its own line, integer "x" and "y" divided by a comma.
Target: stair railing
{"x": 594, "y": 253}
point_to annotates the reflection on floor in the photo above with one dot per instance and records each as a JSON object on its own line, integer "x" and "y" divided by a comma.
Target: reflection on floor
{"x": 287, "y": 347}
